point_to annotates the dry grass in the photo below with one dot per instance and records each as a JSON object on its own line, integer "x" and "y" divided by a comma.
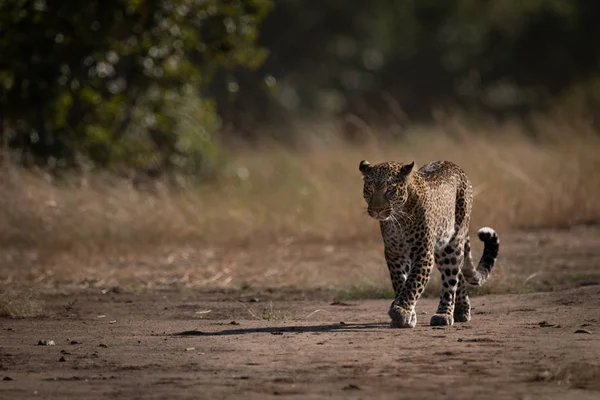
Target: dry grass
{"x": 310, "y": 194}
{"x": 19, "y": 304}
{"x": 579, "y": 375}
{"x": 269, "y": 313}
{"x": 273, "y": 196}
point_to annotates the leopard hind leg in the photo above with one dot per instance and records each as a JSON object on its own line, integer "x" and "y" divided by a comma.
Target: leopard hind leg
{"x": 449, "y": 261}
{"x": 462, "y": 304}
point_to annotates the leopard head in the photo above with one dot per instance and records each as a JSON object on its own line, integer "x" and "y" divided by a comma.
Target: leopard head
{"x": 385, "y": 187}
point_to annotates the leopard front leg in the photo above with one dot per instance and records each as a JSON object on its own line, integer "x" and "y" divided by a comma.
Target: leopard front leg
{"x": 402, "y": 310}
{"x": 398, "y": 263}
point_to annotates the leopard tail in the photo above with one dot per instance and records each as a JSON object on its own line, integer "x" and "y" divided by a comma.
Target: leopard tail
{"x": 491, "y": 245}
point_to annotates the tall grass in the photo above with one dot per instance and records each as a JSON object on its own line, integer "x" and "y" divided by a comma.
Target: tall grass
{"x": 312, "y": 194}
{"x": 271, "y": 194}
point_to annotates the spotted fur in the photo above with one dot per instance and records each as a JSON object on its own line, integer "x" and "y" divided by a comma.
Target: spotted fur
{"x": 424, "y": 219}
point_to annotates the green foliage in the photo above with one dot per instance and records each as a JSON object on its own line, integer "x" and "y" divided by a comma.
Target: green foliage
{"x": 119, "y": 81}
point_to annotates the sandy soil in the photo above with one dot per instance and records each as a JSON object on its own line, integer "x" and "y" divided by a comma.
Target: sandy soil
{"x": 218, "y": 344}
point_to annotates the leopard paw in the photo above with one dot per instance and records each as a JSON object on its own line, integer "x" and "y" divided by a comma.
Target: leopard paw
{"x": 462, "y": 316}
{"x": 402, "y": 318}
{"x": 441, "y": 319}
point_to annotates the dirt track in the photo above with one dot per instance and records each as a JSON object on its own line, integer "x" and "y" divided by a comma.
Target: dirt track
{"x": 167, "y": 345}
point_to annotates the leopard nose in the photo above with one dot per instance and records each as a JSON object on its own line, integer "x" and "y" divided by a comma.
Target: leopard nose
{"x": 376, "y": 212}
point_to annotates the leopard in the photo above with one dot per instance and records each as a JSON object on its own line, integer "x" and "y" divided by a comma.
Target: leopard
{"x": 424, "y": 218}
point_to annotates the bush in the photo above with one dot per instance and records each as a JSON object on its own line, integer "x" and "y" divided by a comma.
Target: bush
{"x": 109, "y": 82}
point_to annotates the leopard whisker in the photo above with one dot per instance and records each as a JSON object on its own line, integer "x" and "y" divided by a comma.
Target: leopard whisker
{"x": 404, "y": 216}
{"x": 397, "y": 225}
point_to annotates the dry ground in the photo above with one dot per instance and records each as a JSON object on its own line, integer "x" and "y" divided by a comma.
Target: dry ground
{"x": 177, "y": 340}
{"x": 167, "y": 345}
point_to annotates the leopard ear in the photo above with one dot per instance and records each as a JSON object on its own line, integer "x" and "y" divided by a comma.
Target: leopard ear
{"x": 406, "y": 169}
{"x": 364, "y": 166}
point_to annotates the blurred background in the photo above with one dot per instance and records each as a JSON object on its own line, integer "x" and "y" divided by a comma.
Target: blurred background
{"x": 205, "y": 142}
